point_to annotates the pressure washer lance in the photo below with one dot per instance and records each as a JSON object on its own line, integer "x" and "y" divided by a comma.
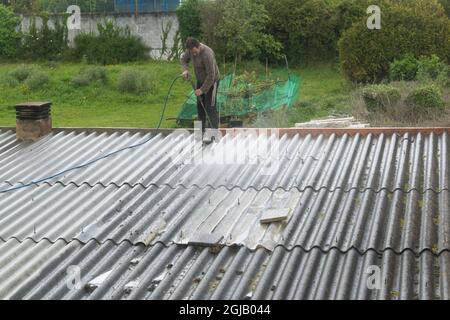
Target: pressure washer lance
{"x": 194, "y": 87}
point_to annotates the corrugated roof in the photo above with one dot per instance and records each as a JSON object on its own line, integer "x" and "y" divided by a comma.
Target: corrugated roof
{"x": 318, "y": 219}
{"x": 353, "y": 201}
{"x": 189, "y": 272}
{"x": 377, "y": 162}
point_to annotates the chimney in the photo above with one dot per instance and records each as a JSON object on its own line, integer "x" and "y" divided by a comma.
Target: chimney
{"x": 33, "y": 120}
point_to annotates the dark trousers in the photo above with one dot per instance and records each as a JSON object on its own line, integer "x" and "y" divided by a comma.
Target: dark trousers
{"x": 208, "y": 117}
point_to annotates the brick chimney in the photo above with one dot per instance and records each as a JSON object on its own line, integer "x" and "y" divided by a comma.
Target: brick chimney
{"x": 33, "y": 120}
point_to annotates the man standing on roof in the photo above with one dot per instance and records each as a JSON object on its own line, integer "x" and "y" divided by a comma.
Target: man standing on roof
{"x": 208, "y": 75}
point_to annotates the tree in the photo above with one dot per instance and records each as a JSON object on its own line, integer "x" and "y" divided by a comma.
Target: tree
{"x": 25, "y": 6}
{"x": 243, "y": 30}
{"x": 9, "y": 36}
{"x": 188, "y": 14}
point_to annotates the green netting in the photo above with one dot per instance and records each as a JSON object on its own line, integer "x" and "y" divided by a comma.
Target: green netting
{"x": 236, "y": 98}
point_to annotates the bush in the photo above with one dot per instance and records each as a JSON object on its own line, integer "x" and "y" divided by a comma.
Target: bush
{"x": 242, "y": 29}
{"x": 404, "y": 69}
{"x": 135, "y": 82}
{"x": 188, "y": 14}
{"x": 45, "y": 43}
{"x": 417, "y": 27}
{"x": 112, "y": 45}
{"x": 36, "y": 80}
{"x": 446, "y": 5}
{"x": 22, "y": 72}
{"x": 444, "y": 77}
{"x": 378, "y": 98}
{"x": 211, "y": 15}
{"x": 90, "y": 75}
{"x": 9, "y": 36}
{"x": 30, "y": 75}
{"x": 429, "y": 68}
{"x": 423, "y": 100}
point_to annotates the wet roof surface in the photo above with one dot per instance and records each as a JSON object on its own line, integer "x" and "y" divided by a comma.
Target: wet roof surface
{"x": 155, "y": 222}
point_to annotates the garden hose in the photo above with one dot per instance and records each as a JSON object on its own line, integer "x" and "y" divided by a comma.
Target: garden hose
{"x": 81, "y": 166}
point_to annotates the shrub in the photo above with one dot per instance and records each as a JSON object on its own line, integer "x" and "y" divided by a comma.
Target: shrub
{"x": 378, "y": 98}
{"x": 446, "y": 5}
{"x": 112, "y": 45}
{"x": 423, "y": 100}
{"x": 444, "y": 77}
{"x": 429, "y": 68}
{"x": 22, "y": 72}
{"x": 90, "y": 75}
{"x": 304, "y": 28}
{"x": 211, "y": 14}
{"x": 9, "y": 36}
{"x": 135, "y": 82}
{"x": 30, "y": 75}
{"x": 45, "y": 43}
{"x": 188, "y": 14}
{"x": 404, "y": 69}
{"x": 36, "y": 80}
{"x": 242, "y": 30}
{"x": 417, "y": 27}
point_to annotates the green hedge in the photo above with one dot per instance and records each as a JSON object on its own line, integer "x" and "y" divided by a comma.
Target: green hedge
{"x": 417, "y": 27}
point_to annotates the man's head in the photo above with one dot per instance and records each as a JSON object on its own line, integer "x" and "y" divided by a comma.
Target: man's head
{"x": 193, "y": 45}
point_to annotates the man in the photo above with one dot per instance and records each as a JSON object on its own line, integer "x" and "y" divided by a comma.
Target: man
{"x": 207, "y": 74}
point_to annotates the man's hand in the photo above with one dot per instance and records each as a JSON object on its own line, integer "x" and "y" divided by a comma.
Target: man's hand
{"x": 186, "y": 75}
{"x": 198, "y": 92}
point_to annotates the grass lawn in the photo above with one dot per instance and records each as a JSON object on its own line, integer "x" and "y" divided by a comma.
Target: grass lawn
{"x": 323, "y": 92}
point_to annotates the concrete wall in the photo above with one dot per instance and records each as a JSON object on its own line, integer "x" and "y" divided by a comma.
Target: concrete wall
{"x": 147, "y": 26}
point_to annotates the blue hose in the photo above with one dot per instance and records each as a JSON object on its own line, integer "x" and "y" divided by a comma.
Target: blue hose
{"x": 36, "y": 182}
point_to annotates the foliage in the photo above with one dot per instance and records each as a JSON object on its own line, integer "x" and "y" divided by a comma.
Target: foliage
{"x": 211, "y": 15}
{"x": 135, "y": 82}
{"x": 404, "y": 69}
{"x": 45, "y": 43}
{"x": 416, "y": 27}
{"x": 25, "y": 6}
{"x": 242, "y": 29}
{"x": 429, "y": 68}
{"x": 30, "y": 75}
{"x": 424, "y": 99}
{"x": 9, "y": 36}
{"x": 89, "y": 75}
{"x": 188, "y": 14}
{"x": 309, "y": 29}
{"x": 378, "y": 98}
{"x": 37, "y": 80}
{"x": 446, "y": 5}
{"x": 113, "y": 44}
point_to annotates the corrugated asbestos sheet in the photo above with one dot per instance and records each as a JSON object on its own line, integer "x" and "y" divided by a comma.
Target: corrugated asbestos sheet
{"x": 419, "y": 162}
{"x": 155, "y": 223}
{"x": 124, "y": 271}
